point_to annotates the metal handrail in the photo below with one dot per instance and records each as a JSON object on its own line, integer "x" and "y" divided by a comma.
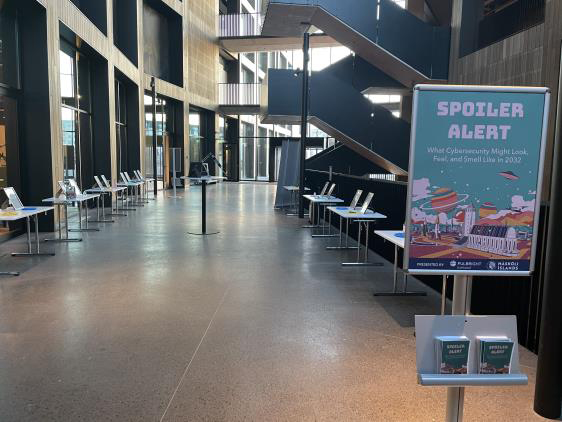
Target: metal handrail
{"x": 240, "y": 25}
{"x": 239, "y": 94}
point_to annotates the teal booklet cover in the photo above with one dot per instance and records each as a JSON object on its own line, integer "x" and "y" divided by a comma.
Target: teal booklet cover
{"x": 495, "y": 355}
{"x": 452, "y": 354}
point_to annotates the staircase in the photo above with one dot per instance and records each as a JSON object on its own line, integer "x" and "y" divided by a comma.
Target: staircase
{"x": 338, "y": 107}
{"x": 404, "y": 47}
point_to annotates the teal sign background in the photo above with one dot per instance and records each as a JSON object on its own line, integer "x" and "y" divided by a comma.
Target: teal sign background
{"x": 473, "y": 201}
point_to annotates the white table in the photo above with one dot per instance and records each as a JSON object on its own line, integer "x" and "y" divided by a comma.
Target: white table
{"x": 204, "y": 180}
{"x": 361, "y": 219}
{"x": 108, "y": 191}
{"x": 317, "y": 201}
{"x": 294, "y": 192}
{"x": 27, "y": 213}
{"x": 135, "y": 187}
{"x": 62, "y": 201}
{"x": 396, "y": 237}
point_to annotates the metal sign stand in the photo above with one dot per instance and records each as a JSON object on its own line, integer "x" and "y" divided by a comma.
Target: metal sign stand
{"x": 462, "y": 293}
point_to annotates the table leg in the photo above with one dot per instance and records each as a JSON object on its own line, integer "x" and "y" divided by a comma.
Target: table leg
{"x": 204, "y": 211}
{"x": 323, "y": 226}
{"x": 125, "y": 199}
{"x": 66, "y": 229}
{"x": 29, "y": 247}
{"x": 395, "y": 291}
{"x": 85, "y": 228}
{"x": 311, "y": 216}
{"x": 102, "y": 214}
{"x": 365, "y": 262}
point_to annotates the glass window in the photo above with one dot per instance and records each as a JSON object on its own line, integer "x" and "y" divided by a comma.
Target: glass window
{"x": 67, "y": 79}
{"x": 247, "y": 76}
{"x": 75, "y": 113}
{"x": 262, "y": 59}
{"x": 262, "y": 154}
{"x": 69, "y": 135}
{"x": 247, "y": 153}
{"x": 194, "y": 136}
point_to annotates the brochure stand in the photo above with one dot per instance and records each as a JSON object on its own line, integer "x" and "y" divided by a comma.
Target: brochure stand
{"x": 460, "y": 323}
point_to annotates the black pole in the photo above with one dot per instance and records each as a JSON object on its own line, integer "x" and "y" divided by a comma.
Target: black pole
{"x": 154, "y": 141}
{"x": 548, "y": 386}
{"x": 304, "y": 120}
{"x": 204, "y": 206}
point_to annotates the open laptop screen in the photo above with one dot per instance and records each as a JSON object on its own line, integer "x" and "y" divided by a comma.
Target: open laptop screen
{"x": 75, "y": 186}
{"x": 98, "y": 182}
{"x": 329, "y": 193}
{"x": 107, "y": 184}
{"x": 324, "y": 189}
{"x": 13, "y": 198}
{"x": 367, "y": 202}
{"x": 356, "y": 199}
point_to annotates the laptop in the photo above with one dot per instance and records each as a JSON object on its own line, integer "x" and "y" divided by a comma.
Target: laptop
{"x": 367, "y": 202}
{"x": 324, "y": 189}
{"x": 107, "y": 184}
{"x": 12, "y": 199}
{"x": 329, "y": 193}
{"x": 98, "y": 182}
{"x": 75, "y": 186}
{"x": 355, "y": 199}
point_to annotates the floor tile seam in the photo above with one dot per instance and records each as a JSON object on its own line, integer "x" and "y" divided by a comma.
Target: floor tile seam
{"x": 186, "y": 370}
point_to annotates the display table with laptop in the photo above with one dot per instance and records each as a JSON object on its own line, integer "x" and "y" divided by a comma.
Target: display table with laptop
{"x": 316, "y": 204}
{"x": 104, "y": 190}
{"x": 363, "y": 217}
{"x": 68, "y": 195}
{"x": 203, "y": 181}
{"x": 14, "y": 210}
{"x": 134, "y": 188}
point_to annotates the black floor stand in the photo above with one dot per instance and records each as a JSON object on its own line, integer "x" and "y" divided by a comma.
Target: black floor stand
{"x": 203, "y": 212}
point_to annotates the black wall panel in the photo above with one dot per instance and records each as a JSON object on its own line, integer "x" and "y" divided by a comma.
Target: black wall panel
{"x": 34, "y": 110}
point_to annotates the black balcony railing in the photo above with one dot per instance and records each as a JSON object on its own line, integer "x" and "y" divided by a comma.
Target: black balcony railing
{"x": 240, "y": 25}
{"x": 239, "y": 94}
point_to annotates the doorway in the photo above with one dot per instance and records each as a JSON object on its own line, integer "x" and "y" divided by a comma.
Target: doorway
{"x": 230, "y": 160}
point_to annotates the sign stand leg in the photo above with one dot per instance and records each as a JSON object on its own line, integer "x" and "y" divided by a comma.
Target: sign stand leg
{"x": 462, "y": 290}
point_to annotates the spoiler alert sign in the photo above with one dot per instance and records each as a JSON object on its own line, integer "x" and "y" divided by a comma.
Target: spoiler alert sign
{"x": 474, "y": 179}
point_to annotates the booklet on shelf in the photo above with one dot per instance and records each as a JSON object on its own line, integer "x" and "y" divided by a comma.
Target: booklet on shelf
{"x": 494, "y": 355}
{"x": 452, "y": 354}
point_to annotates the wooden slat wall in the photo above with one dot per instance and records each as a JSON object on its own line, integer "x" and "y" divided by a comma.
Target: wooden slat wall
{"x": 66, "y": 12}
{"x": 529, "y": 58}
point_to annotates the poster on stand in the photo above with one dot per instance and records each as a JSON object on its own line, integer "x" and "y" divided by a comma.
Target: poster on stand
{"x": 475, "y": 179}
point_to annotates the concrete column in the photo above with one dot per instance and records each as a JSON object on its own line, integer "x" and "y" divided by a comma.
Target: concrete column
{"x": 53, "y": 48}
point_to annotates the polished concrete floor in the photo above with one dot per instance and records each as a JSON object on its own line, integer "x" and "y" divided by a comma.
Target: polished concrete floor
{"x": 143, "y": 322}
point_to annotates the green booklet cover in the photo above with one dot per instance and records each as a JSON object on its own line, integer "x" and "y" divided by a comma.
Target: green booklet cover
{"x": 495, "y": 356}
{"x": 452, "y": 354}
